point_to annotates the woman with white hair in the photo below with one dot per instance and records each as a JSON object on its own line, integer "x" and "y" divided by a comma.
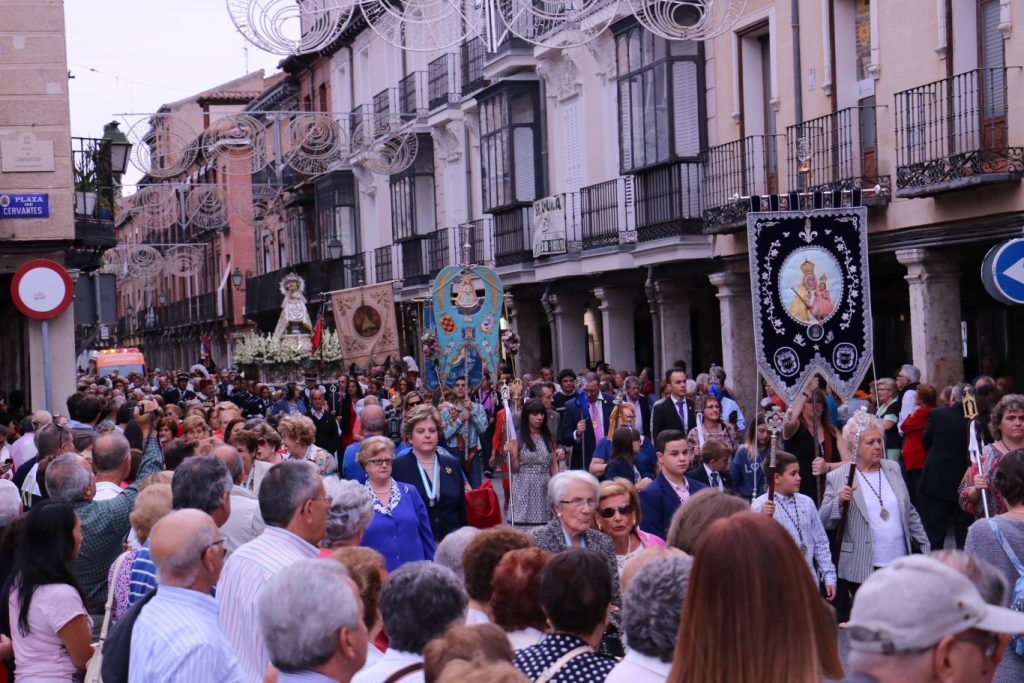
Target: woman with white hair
{"x": 350, "y": 513}
{"x": 881, "y": 523}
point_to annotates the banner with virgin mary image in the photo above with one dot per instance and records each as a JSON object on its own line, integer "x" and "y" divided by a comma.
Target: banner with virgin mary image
{"x": 365, "y": 318}
{"x": 811, "y": 297}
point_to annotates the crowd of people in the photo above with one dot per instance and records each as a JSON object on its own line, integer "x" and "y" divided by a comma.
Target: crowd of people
{"x": 197, "y": 527}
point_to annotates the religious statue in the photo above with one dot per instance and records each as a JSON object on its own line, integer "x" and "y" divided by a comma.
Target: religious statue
{"x": 294, "y": 326}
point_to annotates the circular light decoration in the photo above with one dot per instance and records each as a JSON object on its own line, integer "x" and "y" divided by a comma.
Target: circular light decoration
{"x": 115, "y": 262}
{"x": 263, "y": 196}
{"x": 155, "y": 207}
{"x": 317, "y": 143}
{"x": 290, "y": 27}
{"x": 687, "y": 19}
{"x": 163, "y": 146}
{"x": 183, "y": 260}
{"x": 144, "y": 261}
{"x": 423, "y": 25}
{"x": 557, "y": 23}
{"x": 205, "y": 206}
{"x": 383, "y": 145}
{"x": 238, "y": 142}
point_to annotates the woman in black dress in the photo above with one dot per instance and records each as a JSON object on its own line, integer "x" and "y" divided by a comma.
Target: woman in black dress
{"x": 817, "y": 456}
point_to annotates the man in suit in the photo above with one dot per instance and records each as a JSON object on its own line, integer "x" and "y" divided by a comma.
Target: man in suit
{"x": 641, "y": 406}
{"x": 676, "y": 411}
{"x": 945, "y": 440}
{"x": 328, "y": 435}
{"x": 660, "y": 500}
{"x": 714, "y": 468}
{"x": 580, "y": 429}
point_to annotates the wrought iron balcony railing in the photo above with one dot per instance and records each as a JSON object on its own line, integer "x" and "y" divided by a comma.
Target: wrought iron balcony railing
{"x": 513, "y": 236}
{"x": 601, "y": 223}
{"x": 954, "y": 133}
{"x": 473, "y": 56}
{"x": 382, "y": 264}
{"x": 838, "y": 151}
{"x": 442, "y": 82}
{"x": 439, "y": 253}
{"x": 733, "y": 172}
{"x": 474, "y": 234}
{"x": 666, "y": 201}
{"x": 412, "y": 96}
{"x": 415, "y": 269}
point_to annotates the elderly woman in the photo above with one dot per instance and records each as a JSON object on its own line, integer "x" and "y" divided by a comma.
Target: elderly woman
{"x": 573, "y": 496}
{"x": 881, "y": 523}
{"x": 152, "y": 503}
{"x": 515, "y": 596}
{"x": 350, "y": 513}
{"x": 618, "y": 515}
{"x": 480, "y": 559}
{"x": 268, "y": 443}
{"x": 400, "y": 527}
{"x": 435, "y": 475}
{"x": 651, "y": 609}
{"x": 194, "y": 428}
{"x": 1007, "y": 427}
{"x": 712, "y": 426}
{"x": 298, "y": 433}
{"x": 888, "y": 411}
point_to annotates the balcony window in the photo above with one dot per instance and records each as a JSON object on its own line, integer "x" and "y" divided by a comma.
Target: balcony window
{"x": 303, "y": 244}
{"x": 660, "y": 98}
{"x": 509, "y": 154}
{"x": 473, "y": 66}
{"x": 337, "y": 212}
{"x": 383, "y": 269}
{"x": 442, "y": 86}
{"x": 412, "y": 195}
{"x": 513, "y": 236}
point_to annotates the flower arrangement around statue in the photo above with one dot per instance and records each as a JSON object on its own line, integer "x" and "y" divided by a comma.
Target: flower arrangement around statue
{"x": 274, "y": 359}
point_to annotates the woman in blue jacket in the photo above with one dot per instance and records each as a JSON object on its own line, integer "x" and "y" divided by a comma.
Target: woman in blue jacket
{"x": 400, "y": 528}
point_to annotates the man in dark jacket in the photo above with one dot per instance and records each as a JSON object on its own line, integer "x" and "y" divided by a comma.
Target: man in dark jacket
{"x": 328, "y": 436}
{"x": 945, "y": 440}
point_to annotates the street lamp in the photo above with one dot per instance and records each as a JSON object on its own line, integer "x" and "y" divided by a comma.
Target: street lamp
{"x": 334, "y": 248}
{"x": 237, "y": 278}
{"x": 116, "y": 142}
{"x": 162, "y": 298}
{"x": 129, "y": 311}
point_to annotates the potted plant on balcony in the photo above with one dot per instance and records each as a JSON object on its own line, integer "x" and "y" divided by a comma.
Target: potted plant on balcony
{"x": 86, "y": 186}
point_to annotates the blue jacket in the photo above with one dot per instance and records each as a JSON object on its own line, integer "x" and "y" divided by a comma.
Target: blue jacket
{"x": 658, "y": 502}
{"x": 449, "y": 512}
{"x": 405, "y": 535}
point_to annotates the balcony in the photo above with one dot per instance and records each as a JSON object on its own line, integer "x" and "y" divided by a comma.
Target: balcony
{"x": 953, "y": 134}
{"x": 193, "y": 310}
{"x": 666, "y": 201}
{"x": 263, "y": 295}
{"x": 838, "y": 151}
{"x": 473, "y": 233}
{"x": 415, "y": 269}
{"x": 513, "y": 236}
{"x": 473, "y": 66}
{"x": 412, "y": 96}
{"x": 439, "y": 253}
{"x": 442, "y": 82}
{"x": 734, "y": 172}
{"x": 383, "y": 270}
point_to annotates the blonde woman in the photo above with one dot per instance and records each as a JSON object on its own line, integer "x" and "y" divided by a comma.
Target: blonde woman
{"x": 618, "y": 516}
{"x": 298, "y": 433}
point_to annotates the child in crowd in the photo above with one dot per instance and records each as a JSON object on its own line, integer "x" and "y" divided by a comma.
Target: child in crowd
{"x": 660, "y": 500}
{"x": 714, "y": 468}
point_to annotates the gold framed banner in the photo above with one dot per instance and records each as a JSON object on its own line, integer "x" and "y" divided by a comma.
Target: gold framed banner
{"x": 365, "y": 318}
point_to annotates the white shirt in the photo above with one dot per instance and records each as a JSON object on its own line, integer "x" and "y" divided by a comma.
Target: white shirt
{"x": 907, "y": 408}
{"x": 105, "y": 490}
{"x": 527, "y": 637}
{"x": 475, "y": 616}
{"x": 638, "y": 668}
{"x": 392, "y": 661}
{"x": 245, "y": 522}
{"x": 887, "y": 540}
{"x": 708, "y": 471}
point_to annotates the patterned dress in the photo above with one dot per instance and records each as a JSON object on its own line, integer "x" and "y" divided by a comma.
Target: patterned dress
{"x": 530, "y": 485}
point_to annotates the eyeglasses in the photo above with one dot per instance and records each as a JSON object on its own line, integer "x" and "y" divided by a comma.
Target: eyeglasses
{"x": 623, "y": 510}
{"x": 990, "y": 643}
{"x": 580, "y": 502}
{"x": 328, "y": 499}
{"x": 412, "y": 404}
{"x": 216, "y": 543}
{"x": 381, "y": 462}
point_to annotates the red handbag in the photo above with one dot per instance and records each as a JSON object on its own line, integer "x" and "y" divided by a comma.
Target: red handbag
{"x": 482, "y": 507}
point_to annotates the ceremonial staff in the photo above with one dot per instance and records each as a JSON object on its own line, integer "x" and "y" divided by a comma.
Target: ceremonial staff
{"x": 815, "y": 427}
{"x": 510, "y": 435}
{"x": 862, "y": 421}
{"x": 970, "y": 406}
{"x": 774, "y": 419}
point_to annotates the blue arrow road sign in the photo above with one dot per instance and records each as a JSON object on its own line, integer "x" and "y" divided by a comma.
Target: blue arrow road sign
{"x": 1002, "y": 271}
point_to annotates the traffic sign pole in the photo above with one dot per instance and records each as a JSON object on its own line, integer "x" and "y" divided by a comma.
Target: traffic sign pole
{"x": 47, "y": 372}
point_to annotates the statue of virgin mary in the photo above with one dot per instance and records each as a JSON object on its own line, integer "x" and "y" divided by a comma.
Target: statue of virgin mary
{"x": 294, "y": 325}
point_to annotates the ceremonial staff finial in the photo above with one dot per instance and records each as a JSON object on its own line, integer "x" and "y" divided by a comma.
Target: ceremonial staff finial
{"x": 774, "y": 419}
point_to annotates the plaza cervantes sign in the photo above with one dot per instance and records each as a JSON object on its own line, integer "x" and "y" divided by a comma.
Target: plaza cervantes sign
{"x": 26, "y": 154}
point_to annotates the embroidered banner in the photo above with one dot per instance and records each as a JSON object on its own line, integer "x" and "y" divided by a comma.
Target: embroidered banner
{"x": 811, "y": 297}
{"x": 365, "y": 318}
{"x": 463, "y": 326}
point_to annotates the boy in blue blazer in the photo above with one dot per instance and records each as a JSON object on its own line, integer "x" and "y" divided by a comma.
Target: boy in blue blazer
{"x": 660, "y": 500}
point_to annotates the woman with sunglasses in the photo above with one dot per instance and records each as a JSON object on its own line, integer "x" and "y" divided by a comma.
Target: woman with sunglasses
{"x": 400, "y": 528}
{"x": 618, "y": 515}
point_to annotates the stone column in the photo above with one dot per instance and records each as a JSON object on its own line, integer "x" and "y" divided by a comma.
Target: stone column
{"x": 934, "y": 283}
{"x": 565, "y": 311}
{"x": 526, "y": 317}
{"x": 672, "y": 306}
{"x": 617, "y": 308}
{"x": 737, "y": 337}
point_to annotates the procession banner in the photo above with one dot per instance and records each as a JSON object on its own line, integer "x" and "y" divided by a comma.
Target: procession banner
{"x": 365, "y": 318}
{"x": 811, "y": 297}
{"x": 463, "y": 332}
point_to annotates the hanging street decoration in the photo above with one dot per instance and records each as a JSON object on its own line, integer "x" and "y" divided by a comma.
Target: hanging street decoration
{"x": 811, "y": 297}
{"x": 423, "y": 25}
{"x": 290, "y": 27}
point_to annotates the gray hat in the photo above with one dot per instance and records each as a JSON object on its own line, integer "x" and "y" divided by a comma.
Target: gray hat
{"x": 914, "y": 602}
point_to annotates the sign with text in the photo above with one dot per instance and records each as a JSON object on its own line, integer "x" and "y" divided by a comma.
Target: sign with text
{"x": 26, "y": 155}
{"x": 549, "y": 226}
{"x": 24, "y": 206}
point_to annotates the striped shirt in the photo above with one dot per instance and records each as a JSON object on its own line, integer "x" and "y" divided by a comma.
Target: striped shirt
{"x": 303, "y": 677}
{"x": 799, "y": 516}
{"x": 176, "y": 638}
{"x": 245, "y": 573}
{"x": 143, "y": 576}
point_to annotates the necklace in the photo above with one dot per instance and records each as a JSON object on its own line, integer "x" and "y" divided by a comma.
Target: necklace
{"x": 430, "y": 484}
{"x": 884, "y": 514}
{"x": 387, "y": 490}
{"x": 795, "y": 520}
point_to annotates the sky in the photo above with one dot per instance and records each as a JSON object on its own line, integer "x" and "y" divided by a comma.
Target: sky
{"x": 131, "y": 56}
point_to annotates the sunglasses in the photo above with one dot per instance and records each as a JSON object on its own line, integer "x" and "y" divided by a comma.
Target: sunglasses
{"x": 623, "y": 510}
